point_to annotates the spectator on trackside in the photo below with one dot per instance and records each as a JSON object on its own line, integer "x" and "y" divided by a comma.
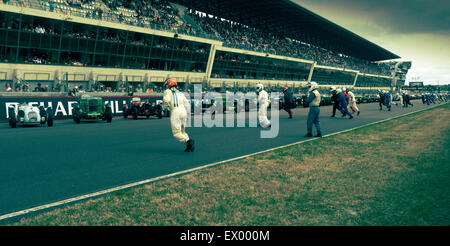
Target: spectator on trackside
{"x": 8, "y": 88}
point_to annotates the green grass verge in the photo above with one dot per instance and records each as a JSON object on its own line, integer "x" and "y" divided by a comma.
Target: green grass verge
{"x": 392, "y": 173}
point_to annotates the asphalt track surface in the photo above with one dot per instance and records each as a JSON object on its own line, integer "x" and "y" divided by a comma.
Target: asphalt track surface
{"x": 41, "y": 165}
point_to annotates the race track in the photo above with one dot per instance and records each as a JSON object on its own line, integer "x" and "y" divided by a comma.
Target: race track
{"x": 41, "y": 165}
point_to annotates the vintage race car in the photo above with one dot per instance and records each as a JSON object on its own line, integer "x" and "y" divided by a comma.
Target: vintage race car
{"x": 91, "y": 108}
{"x": 26, "y": 114}
{"x": 137, "y": 108}
{"x": 165, "y": 110}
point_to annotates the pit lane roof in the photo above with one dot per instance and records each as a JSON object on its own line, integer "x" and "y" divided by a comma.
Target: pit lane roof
{"x": 294, "y": 21}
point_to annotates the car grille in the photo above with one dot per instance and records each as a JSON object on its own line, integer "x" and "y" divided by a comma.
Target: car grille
{"x": 93, "y": 105}
{"x": 32, "y": 116}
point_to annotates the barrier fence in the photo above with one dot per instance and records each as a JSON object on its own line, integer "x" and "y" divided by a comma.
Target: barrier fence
{"x": 62, "y": 106}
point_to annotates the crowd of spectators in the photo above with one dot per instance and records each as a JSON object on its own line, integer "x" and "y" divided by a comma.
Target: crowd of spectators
{"x": 157, "y": 14}
{"x": 162, "y": 13}
{"x": 131, "y": 88}
{"x": 154, "y": 11}
{"x": 241, "y": 36}
{"x": 36, "y": 60}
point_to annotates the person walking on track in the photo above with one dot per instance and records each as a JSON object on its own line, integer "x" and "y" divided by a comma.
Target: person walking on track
{"x": 314, "y": 110}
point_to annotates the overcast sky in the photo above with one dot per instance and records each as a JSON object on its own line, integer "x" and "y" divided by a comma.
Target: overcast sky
{"x": 415, "y": 30}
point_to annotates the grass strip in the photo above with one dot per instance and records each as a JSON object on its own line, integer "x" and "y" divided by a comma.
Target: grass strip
{"x": 391, "y": 173}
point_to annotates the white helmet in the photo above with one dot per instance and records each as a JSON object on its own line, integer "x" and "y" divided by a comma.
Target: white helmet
{"x": 344, "y": 89}
{"x": 333, "y": 88}
{"x": 339, "y": 90}
{"x": 312, "y": 85}
{"x": 259, "y": 87}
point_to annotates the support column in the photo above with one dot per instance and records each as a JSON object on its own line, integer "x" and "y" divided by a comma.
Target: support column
{"x": 56, "y": 79}
{"x": 356, "y": 78}
{"x": 311, "y": 71}
{"x": 209, "y": 66}
{"x": 91, "y": 81}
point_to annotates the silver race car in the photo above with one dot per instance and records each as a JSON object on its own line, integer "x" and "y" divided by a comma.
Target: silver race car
{"x": 26, "y": 114}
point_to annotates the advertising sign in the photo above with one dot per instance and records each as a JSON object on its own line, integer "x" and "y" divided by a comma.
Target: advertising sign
{"x": 63, "y": 106}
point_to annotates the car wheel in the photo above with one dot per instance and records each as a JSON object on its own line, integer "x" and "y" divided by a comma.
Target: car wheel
{"x": 43, "y": 115}
{"x": 12, "y": 118}
{"x": 49, "y": 117}
{"x": 135, "y": 113}
{"x": 76, "y": 116}
{"x": 108, "y": 115}
{"x": 12, "y": 121}
{"x": 159, "y": 112}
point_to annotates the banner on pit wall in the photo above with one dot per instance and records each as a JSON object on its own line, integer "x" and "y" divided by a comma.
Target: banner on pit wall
{"x": 63, "y": 106}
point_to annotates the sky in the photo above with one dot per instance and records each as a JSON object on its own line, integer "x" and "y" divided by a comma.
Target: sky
{"x": 416, "y": 30}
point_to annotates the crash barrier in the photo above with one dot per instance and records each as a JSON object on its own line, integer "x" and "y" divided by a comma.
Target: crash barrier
{"x": 62, "y": 106}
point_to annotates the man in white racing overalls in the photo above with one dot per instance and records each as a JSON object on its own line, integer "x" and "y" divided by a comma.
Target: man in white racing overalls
{"x": 263, "y": 101}
{"x": 352, "y": 102}
{"x": 179, "y": 108}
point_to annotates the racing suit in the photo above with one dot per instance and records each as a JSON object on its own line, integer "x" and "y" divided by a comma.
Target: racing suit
{"x": 314, "y": 112}
{"x": 346, "y": 97}
{"x": 382, "y": 97}
{"x": 179, "y": 107}
{"x": 343, "y": 105}
{"x": 288, "y": 102}
{"x": 407, "y": 101}
{"x": 388, "y": 100}
{"x": 335, "y": 100}
{"x": 263, "y": 100}
{"x": 402, "y": 102}
{"x": 352, "y": 103}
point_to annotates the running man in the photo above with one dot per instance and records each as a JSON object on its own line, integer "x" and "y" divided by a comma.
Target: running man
{"x": 179, "y": 108}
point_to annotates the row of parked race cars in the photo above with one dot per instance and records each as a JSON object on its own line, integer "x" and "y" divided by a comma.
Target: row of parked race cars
{"x": 93, "y": 108}
{"x": 86, "y": 109}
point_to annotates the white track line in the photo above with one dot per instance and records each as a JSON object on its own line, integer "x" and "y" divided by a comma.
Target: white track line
{"x": 91, "y": 195}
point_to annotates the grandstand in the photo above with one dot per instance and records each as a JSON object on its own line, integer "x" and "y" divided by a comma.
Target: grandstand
{"x": 225, "y": 45}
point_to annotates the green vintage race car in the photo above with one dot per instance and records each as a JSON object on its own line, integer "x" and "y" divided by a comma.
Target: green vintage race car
{"x": 91, "y": 108}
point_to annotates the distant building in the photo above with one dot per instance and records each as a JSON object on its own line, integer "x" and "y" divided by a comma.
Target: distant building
{"x": 416, "y": 84}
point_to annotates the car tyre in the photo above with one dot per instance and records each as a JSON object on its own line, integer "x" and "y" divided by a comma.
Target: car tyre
{"x": 76, "y": 116}
{"x": 159, "y": 112}
{"x": 135, "y": 113}
{"x": 43, "y": 115}
{"x": 12, "y": 118}
{"x": 49, "y": 117}
{"x": 108, "y": 115}
{"x": 13, "y": 121}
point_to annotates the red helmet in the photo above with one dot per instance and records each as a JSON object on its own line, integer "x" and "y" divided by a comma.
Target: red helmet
{"x": 170, "y": 82}
{"x": 285, "y": 88}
